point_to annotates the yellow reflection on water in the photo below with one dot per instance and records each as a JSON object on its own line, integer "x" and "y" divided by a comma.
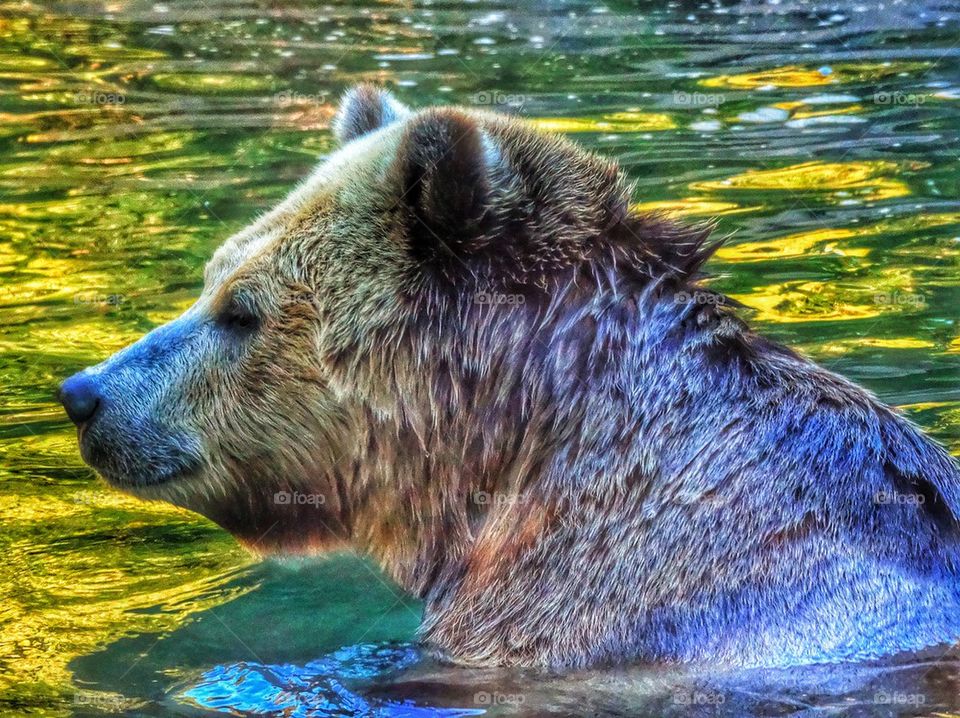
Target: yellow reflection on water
{"x": 792, "y": 302}
{"x": 212, "y": 83}
{"x": 611, "y": 123}
{"x": 825, "y": 240}
{"x": 798, "y": 76}
{"x": 844, "y": 346}
{"x": 79, "y": 571}
{"x": 81, "y": 598}
{"x": 692, "y": 207}
{"x": 101, "y": 52}
{"x": 806, "y": 114}
{"x": 47, "y": 278}
{"x": 871, "y": 177}
{"x": 790, "y": 246}
{"x": 888, "y": 289}
{"x": 93, "y": 338}
{"x": 9, "y": 259}
{"x": 23, "y": 64}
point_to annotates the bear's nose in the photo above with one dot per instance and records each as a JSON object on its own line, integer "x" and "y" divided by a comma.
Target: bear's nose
{"x": 80, "y": 397}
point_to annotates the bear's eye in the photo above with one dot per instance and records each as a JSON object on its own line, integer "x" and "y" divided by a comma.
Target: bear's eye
{"x": 236, "y": 317}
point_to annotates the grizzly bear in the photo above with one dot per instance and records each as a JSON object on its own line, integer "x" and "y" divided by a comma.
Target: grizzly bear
{"x": 455, "y": 347}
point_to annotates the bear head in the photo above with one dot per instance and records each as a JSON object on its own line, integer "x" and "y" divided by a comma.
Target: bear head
{"x": 366, "y": 357}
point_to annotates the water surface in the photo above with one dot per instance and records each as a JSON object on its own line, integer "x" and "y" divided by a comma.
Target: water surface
{"x": 135, "y": 136}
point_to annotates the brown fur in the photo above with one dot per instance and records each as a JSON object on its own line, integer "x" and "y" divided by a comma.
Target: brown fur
{"x": 346, "y": 347}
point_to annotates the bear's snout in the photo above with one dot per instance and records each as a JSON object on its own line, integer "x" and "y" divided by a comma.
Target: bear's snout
{"x": 80, "y": 396}
{"x": 128, "y": 411}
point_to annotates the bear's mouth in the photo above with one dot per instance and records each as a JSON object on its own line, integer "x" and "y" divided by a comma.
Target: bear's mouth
{"x": 146, "y": 482}
{"x": 141, "y": 483}
{"x": 138, "y": 463}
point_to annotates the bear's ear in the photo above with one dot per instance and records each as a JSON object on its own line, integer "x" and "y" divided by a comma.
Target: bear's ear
{"x": 366, "y": 108}
{"x": 445, "y": 167}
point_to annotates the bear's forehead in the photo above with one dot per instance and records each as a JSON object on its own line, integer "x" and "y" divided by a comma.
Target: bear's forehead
{"x": 347, "y": 170}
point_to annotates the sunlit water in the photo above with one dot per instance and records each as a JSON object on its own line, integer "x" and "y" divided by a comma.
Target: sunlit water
{"x": 135, "y": 136}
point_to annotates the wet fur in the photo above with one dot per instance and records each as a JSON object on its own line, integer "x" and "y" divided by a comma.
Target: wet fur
{"x": 663, "y": 484}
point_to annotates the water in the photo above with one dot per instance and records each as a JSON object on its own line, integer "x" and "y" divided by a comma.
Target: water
{"x": 136, "y": 136}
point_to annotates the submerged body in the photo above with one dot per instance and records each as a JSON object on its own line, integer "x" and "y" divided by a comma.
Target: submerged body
{"x": 491, "y": 375}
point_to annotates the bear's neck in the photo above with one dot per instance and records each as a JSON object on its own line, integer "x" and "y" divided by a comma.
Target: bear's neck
{"x": 565, "y": 416}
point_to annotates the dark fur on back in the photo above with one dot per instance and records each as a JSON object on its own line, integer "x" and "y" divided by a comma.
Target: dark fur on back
{"x": 661, "y": 482}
